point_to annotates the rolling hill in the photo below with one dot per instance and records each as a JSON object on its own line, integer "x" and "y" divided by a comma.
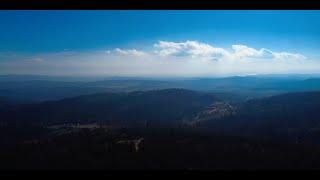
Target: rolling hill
{"x": 167, "y": 106}
{"x": 290, "y": 116}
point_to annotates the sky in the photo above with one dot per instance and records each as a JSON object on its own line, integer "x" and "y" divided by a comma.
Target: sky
{"x": 159, "y": 43}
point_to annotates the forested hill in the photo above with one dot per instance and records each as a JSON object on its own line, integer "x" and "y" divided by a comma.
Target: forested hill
{"x": 156, "y": 106}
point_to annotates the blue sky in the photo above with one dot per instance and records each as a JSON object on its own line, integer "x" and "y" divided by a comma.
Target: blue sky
{"x": 41, "y": 34}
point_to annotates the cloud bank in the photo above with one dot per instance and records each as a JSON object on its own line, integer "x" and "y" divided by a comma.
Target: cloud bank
{"x": 196, "y": 49}
{"x": 189, "y": 58}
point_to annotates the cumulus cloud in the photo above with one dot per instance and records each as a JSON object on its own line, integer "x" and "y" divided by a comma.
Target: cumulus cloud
{"x": 189, "y": 58}
{"x": 245, "y": 51}
{"x": 189, "y": 48}
{"x": 285, "y": 55}
{"x": 132, "y": 52}
{"x": 241, "y": 51}
{"x": 196, "y": 49}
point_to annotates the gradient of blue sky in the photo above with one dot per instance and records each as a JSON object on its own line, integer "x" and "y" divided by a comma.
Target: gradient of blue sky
{"x": 39, "y": 32}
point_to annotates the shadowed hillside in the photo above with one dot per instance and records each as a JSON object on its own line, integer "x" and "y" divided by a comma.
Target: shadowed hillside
{"x": 167, "y": 106}
{"x": 292, "y": 117}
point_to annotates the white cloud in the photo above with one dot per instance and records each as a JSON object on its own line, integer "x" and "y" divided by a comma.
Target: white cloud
{"x": 132, "y": 52}
{"x": 285, "y": 55}
{"x": 189, "y": 58}
{"x": 247, "y": 52}
{"x": 196, "y": 49}
{"x": 193, "y": 49}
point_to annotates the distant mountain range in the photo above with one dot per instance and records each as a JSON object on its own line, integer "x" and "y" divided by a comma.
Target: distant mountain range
{"x": 21, "y": 89}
